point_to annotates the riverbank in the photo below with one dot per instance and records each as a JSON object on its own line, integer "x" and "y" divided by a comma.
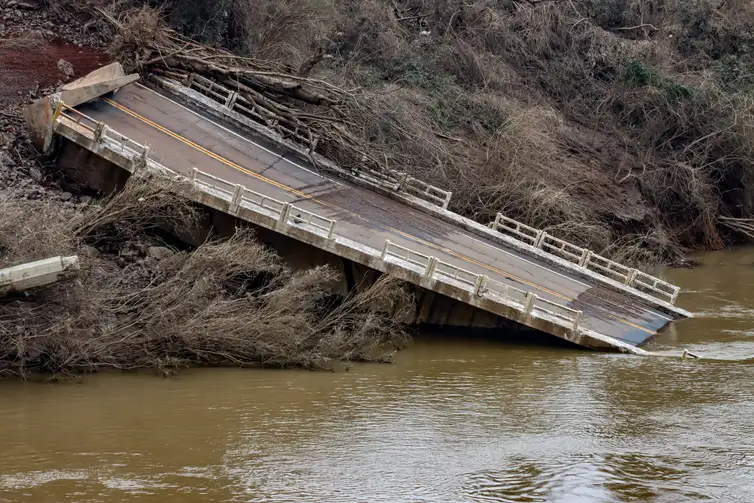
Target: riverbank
{"x": 144, "y": 300}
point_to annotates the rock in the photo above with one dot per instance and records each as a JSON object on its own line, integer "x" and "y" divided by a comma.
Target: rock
{"x": 27, "y": 4}
{"x": 90, "y": 251}
{"x": 35, "y": 174}
{"x": 159, "y": 252}
{"x": 65, "y": 67}
{"x": 66, "y": 196}
{"x": 85, "y": 199}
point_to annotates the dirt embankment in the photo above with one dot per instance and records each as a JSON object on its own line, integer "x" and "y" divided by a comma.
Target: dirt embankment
{"x": 622, "y": 126}
{"x": 41, "y": 48}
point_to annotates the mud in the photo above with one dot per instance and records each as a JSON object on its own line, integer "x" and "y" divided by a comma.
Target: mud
{"x": 31, "y": 64}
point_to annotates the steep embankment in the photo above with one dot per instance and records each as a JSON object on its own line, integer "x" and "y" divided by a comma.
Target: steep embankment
{"x": 626, "y": 126}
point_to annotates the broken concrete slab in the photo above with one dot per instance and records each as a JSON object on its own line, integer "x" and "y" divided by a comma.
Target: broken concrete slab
{"x": 39, "y": 114}
{"x": 101, "y": 81}
{"x": 38, "y": 117}
{"x": 35, "y": 274}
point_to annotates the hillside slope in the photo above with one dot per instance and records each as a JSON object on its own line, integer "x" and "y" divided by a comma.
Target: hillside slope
{"x": 624, "y": 126}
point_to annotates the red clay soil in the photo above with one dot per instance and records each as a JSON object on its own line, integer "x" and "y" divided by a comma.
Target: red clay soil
{"x": 28, "y": 63}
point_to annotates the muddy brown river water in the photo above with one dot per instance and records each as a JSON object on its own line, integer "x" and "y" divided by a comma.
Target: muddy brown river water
{"x": 453, "y": 420}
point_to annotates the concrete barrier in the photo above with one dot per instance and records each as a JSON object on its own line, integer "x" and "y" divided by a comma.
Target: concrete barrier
{"x": 36, "y": 274}
{"x": 95, "y": 84}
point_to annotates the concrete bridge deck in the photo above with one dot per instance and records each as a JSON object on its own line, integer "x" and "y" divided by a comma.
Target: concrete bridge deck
{"x": 182, "y": 139}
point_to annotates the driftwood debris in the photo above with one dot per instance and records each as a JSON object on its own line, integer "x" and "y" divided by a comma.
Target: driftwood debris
{"x": 743, "y": 226}
{"x": 309, "y": 111}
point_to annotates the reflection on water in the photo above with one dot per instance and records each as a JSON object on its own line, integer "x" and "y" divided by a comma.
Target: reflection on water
{"x": 452, "y": 420}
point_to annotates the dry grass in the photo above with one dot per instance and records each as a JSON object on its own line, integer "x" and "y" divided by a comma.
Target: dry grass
{"x": 34, "y": 230}
{"x": 601, "y": 120}
{"x": 228, "y": 302}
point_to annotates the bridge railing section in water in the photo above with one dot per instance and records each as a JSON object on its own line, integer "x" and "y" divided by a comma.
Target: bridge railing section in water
{"x": 482, "y": 286}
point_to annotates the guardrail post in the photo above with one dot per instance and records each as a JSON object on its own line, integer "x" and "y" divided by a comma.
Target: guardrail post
{"x": 446, "y": 203}
{"x": 577, "y": 320}
{"x": 481, "y": 285}
{"x": 190, "y": 80}
{"x": 99, "y": 131}
{"x": 231, "y": 100}
{"x": 383, "y": 256}
{"x": 540, "y": 239}
{"x": 331, "y": 233}
{"x": 674, "y": 296}
{"x": 235, "y": 203}
{"x": 402, "y": 182}
{"x": 498, "y": 218}
{"x": 531, "y": 298}
{"x": 141, "y": 161}
{"x": 194, "y": 173}
{"x": 431, "y": 267}
{"x": 285, "y": 213}
{"x": 631, "y": 276}
{"x": 586, "y": 256}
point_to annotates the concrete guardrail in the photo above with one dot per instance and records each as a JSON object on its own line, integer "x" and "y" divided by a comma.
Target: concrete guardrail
{"x": 586, "y": 258}
{"x": 400, "y": 182}
{"x": 36, "y": 274}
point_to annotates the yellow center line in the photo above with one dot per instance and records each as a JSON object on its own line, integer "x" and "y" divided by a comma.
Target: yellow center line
{"x": 303, "y": 195}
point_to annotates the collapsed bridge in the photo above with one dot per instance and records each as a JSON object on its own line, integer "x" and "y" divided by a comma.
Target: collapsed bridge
{"x": 466, "y": 274}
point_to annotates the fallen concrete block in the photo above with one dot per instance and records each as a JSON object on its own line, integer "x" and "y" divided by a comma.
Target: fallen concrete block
{"x": 35, "y": 274}
{"x": 93, "y": 85}
{"x": 39, "y": 114}
{"x": 38, "y": 118}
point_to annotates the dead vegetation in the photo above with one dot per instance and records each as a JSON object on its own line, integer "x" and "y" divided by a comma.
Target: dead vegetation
{"x": 608, "y": 123}
{"x": 229, "y": 302}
